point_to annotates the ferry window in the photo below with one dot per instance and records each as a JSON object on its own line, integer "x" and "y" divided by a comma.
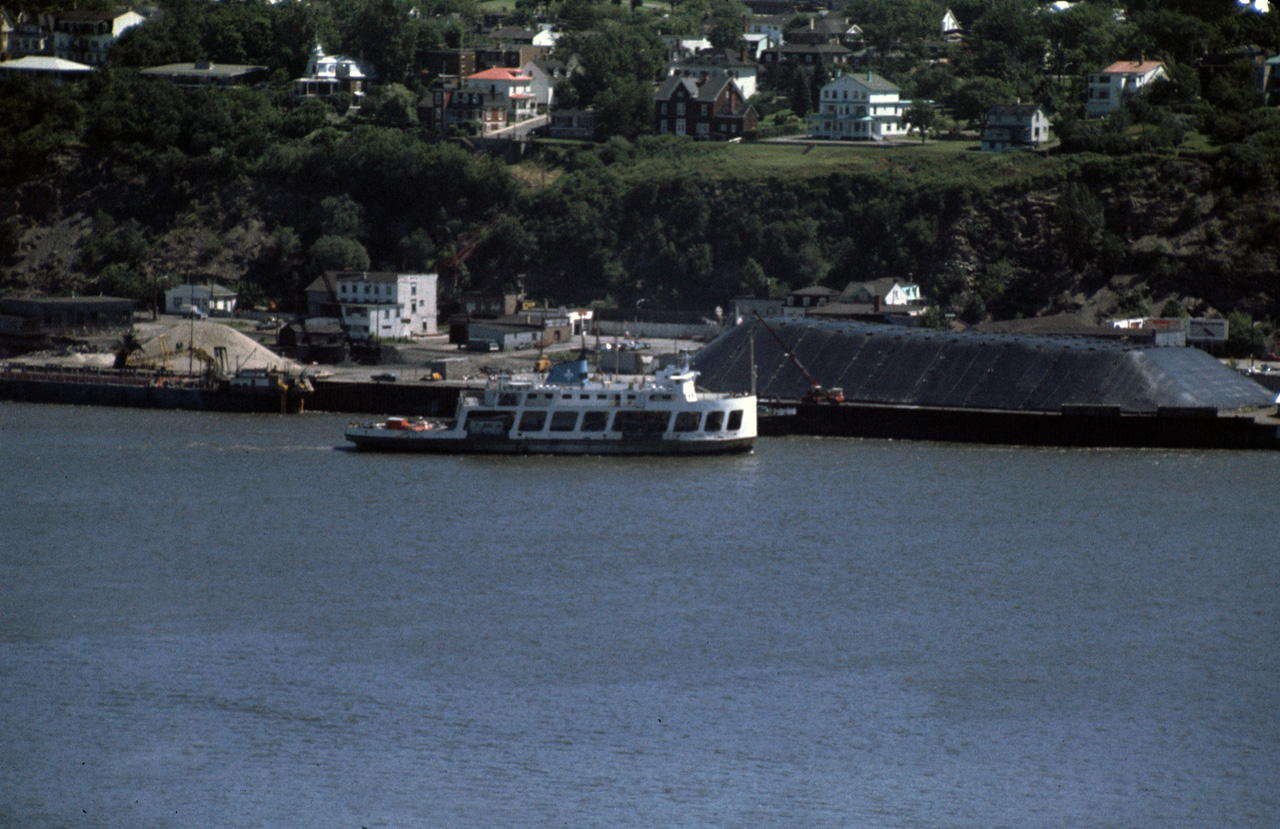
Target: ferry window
{"x": 489, "y": 423}
{"x": 735, "y": 420}
{"x": 508, "y": 399}
{"x": 602, "y": 397}
{"x": 687, "y": 421}
{"x": 714, "y": 420}
{"x": 594, "y": 421}
{"x": 564, "y": 421}
{"x": 532, "y": 421}
{"x": 648, "y": 423}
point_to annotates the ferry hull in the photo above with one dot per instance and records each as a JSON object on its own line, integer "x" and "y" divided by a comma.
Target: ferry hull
{"x": 438, "y": 444}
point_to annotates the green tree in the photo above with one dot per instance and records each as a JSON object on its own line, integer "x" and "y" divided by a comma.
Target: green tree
{"x": 885, "y": 22}
{"x": 397, "y": 106}
{"x": 801, "y": 96}
{"x": 338, "y": 253}
{"x": 342, "y": 216}
{"x": 975, "y": 97}
{"x": 923, "y": 117}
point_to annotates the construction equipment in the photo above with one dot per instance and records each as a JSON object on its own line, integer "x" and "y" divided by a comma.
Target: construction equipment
{"x": 817, "y": 394}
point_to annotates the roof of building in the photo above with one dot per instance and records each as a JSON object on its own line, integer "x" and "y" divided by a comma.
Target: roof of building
{"x": 810, "y": 48}
{"x": 1132, "y": 67}
{"x": 714, "y": 57}
{"x": 1016, "y": 110}
{"x": 870, "y": 81}
{"x": 500, "y": 73}
{"x": 875, "y": 287}
{"x": 364, "y": 276}
{"x": 42, "y": 63}
{"x": 203, "y": 69}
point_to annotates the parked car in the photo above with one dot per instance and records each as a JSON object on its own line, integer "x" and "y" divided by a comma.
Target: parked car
{"x": 385, "y": 377}
{"x": 191, "y": 312}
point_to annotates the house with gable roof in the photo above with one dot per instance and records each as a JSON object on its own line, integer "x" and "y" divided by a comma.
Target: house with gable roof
{"x": 827, "y": 29}
{"x": 705, "y": 108}
{"x": 862, "y": 107}
{"x": 1110, "y": 88}
{"x": 545, "y": 73}
{"x": 885, "y": 291}
{"x": 1015, "y": 127}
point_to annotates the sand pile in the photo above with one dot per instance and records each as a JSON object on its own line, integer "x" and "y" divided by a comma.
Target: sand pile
{"x": 236, "y": 350}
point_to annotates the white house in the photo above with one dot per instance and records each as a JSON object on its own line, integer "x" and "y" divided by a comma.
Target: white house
{"x": 951, "y": 29}
{"x": 717, "y": 63}
{"x": 859, "y": 107}
{"x": 380, "y": 306}
{"x": 544, "y": 74}
{"x": 1110, "y": 88}
{"x": 213, "y": 300}
{"x": 886, "y": 291}
{"x": 87, "y": 36}
{"x": 772, "y": 27}
{"x": 514, "y": 85}
{"x": 1014, "y": 127}
{"x": 329, "y": 74}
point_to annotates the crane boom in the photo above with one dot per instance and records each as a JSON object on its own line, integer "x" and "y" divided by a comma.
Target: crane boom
{"x": 818, "y": 393}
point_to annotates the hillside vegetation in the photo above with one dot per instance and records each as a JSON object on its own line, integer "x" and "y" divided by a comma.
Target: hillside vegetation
{"x": 122, "y": 185}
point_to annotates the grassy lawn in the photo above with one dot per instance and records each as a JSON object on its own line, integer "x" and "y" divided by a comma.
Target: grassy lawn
{"x": 937, "y": 162}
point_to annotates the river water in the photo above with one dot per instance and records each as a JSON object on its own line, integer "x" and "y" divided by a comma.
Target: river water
{"x": 219, "y": 620}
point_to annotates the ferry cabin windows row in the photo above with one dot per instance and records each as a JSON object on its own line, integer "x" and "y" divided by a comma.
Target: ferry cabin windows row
{"x": 547, "y": 398}
{"x": 629, "y": 421}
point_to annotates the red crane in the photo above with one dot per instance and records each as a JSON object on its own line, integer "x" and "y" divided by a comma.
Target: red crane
{"x": 817, "y": 394}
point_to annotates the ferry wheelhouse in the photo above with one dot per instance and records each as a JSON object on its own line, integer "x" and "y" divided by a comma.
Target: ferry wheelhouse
{"x": 570, "y": 413}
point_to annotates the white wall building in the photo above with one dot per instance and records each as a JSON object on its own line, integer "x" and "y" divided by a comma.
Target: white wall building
{"x": 87, "y": 36}
{"x": 863, "y": 107}
{"x": 381, "y": 306}
{"x": 1110, "y": 88}
{"x": 214, "y": 300}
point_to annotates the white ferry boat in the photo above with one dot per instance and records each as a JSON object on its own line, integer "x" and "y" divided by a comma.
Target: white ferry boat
{"x": 570, "y": 413}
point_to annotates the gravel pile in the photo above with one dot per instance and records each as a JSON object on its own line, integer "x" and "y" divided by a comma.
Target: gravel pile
{"x": 240, "y": 351}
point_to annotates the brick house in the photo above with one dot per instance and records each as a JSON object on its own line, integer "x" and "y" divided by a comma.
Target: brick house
{"x": 706, "y": 108}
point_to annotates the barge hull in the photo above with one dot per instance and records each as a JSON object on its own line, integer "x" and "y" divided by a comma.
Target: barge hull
{"x": 141, "y": 395}
{"x": 1163, "y": 429}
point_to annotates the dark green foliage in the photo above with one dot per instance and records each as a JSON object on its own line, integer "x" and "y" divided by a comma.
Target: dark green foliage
{"x": 338, "y": 253}
{"x": 1245, "y": 336}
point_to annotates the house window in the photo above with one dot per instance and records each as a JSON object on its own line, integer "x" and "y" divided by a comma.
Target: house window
{"x": 680, "y": 108}
{"x": 664, "y": 108}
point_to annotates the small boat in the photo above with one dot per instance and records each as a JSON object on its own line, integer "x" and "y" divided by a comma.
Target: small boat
{"x": 567, "y": 412}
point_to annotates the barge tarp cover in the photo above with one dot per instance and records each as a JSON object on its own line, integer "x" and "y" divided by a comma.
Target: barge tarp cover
{"x": 895, "y": 365}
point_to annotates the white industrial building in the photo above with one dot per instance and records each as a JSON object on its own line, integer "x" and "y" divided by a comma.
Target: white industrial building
{"x": 382, "y": 306}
